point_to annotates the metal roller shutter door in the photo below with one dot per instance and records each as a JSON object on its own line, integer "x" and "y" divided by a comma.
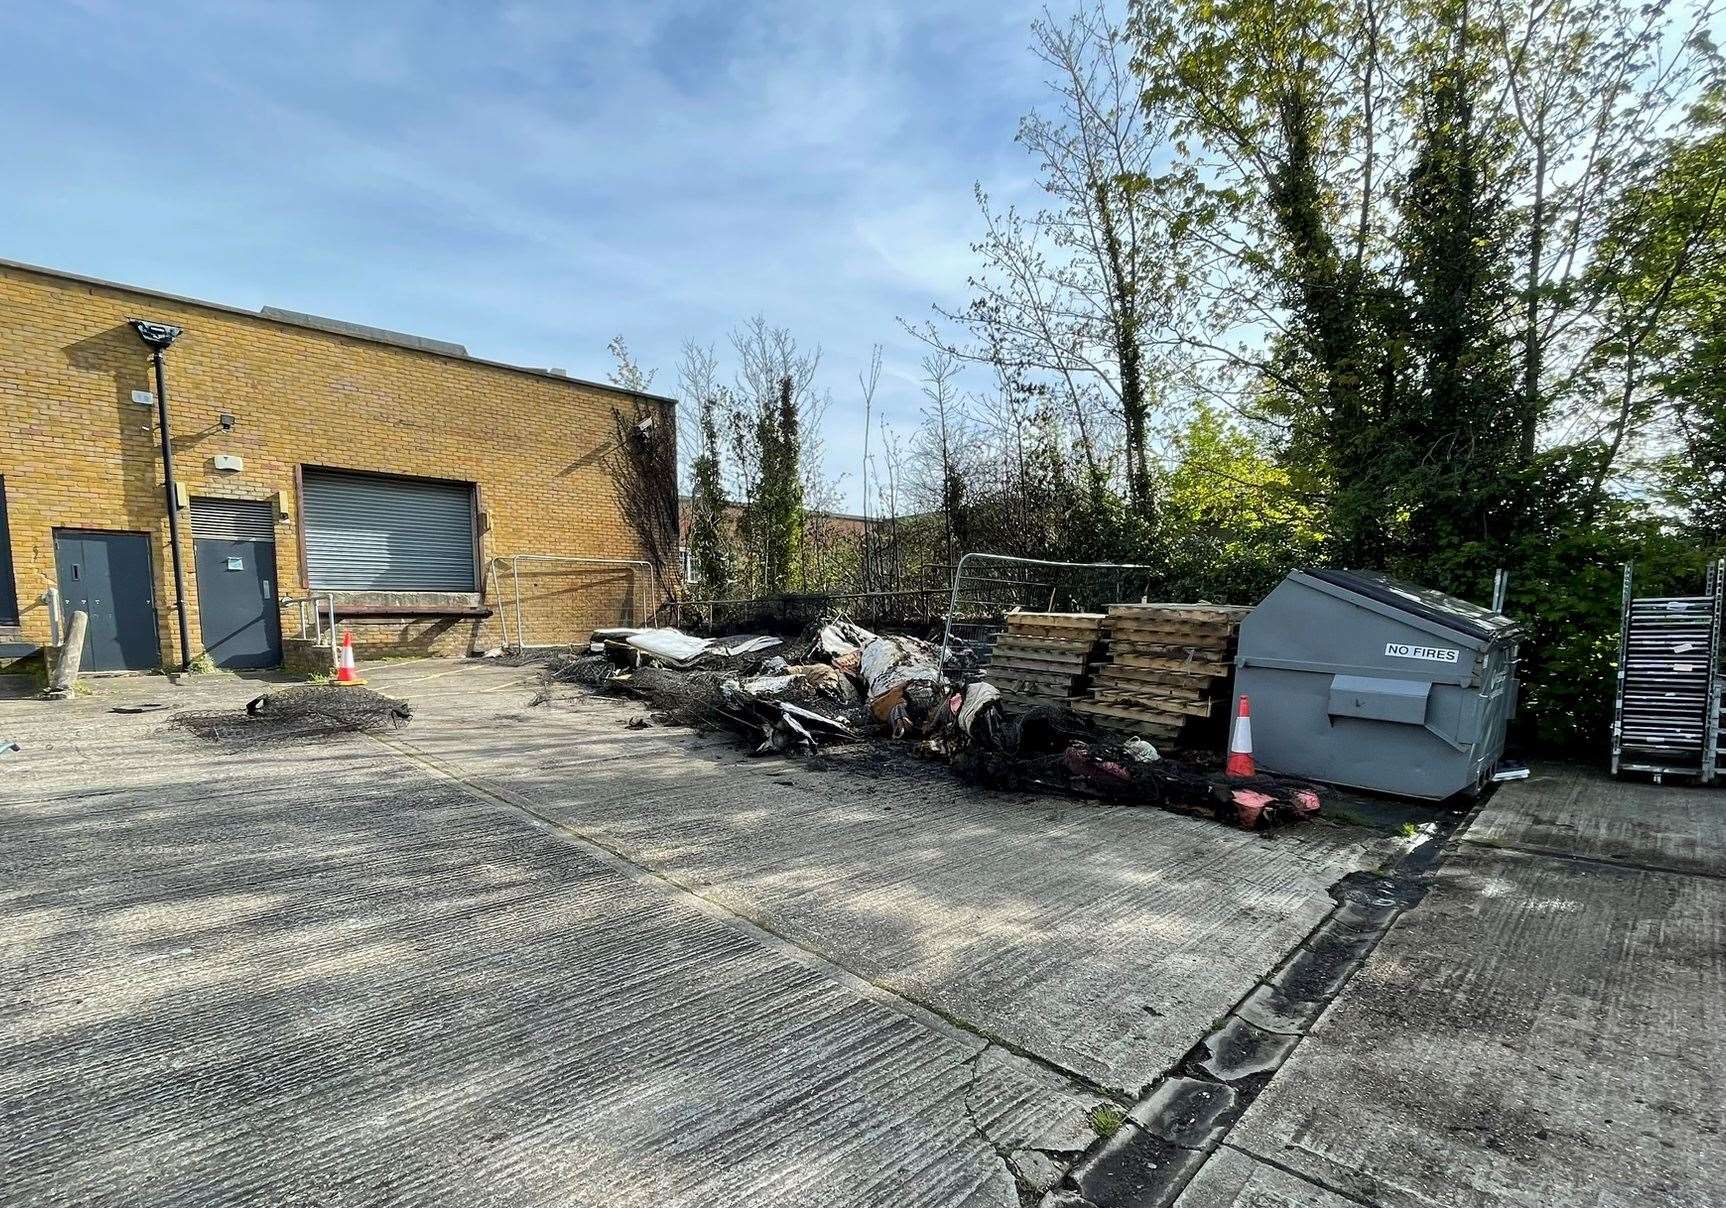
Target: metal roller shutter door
{"x": 365, "y": 532}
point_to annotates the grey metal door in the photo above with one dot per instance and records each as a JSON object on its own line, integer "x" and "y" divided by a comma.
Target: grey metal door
{"x": 108, "y": 577}
{"x": 234, "y": 556}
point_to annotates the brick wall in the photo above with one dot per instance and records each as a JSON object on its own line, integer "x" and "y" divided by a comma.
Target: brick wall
{"x": 76, "y": 452}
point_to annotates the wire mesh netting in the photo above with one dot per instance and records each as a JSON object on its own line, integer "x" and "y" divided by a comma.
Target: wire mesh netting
{"x": 298, "y": 713}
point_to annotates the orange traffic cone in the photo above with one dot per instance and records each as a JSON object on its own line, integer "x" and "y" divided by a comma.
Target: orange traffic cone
{"x": 1241, "y": 742}
{"x": 346, "y": 672}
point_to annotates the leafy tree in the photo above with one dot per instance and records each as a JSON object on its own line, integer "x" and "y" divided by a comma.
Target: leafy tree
{"x": 1234, "y": 522}
{"x": 774, "y": 520}
{"x": 1664, "y": 278}
{"x": 1588, "y": 88}
{"x": 1274, "y": 101}
{"x": 775, "y": 408}
{"x": 709, "y": 540}
{"x": 1455, "y": 441}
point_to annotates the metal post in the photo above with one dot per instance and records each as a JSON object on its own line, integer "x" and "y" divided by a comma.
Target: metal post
{"x": 1711, "y": 723}
{"x": 1500, "y": 589}
{"x": 156, "y": 355}
{"x": 1623, "y": 653}
{"x": 158, "y": 337}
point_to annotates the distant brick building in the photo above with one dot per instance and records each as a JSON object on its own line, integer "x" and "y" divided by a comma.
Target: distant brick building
{"x": 840, "y": 524}
{"x": 393, "y": 476}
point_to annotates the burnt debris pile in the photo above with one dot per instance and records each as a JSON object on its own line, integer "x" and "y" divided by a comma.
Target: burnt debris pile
{"x": 840, "y": 683}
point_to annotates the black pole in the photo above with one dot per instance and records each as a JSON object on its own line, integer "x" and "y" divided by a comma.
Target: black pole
{"x": 158, "y": 342}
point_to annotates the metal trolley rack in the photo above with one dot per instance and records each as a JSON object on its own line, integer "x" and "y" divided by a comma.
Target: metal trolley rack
{"x": 1666, "y": 718}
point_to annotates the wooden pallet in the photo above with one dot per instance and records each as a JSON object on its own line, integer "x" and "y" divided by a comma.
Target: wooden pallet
{"x": 1044, "y": 657}
{"x": 1154, "y": 704}
{"x": 1082, "y": 621}
{"x": 1130, "y": 721}
{"x": 1170, "y": 662}
{"x": 1165, "y": 670}
{"x": 1158, "y": 670}
{"x": 1066, "y": 652}
{"x": 1022, "y": 641}
{"x": 1044, "y": 666}
{"x": 1234, "y": 613}
{"x": 1048, "y": 679}
{"x": 1200, "y": 682}
{"x": 1010, "y": 682}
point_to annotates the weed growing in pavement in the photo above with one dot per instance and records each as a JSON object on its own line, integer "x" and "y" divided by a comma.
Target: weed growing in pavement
{"x": 1106, "y": 1119}
{"x": 1408, "y": 830}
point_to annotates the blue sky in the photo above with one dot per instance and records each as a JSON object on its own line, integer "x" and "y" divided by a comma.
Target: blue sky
{"x": 528, "y": 179}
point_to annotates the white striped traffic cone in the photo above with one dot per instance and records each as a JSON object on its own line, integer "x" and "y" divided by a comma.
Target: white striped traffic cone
{"x": 346, "y": 672}
{"x": 1241, "y": 742}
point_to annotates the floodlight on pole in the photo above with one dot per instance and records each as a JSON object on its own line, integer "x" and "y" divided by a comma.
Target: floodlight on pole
{"x": 158, "y": 338}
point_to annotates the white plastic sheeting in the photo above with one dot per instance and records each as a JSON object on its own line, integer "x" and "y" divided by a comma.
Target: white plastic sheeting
{"x": 681, "y": 649}
{"x": 890, "y": 663}
{"x": 673, "y": 645}
{"x": 976, "y": 696}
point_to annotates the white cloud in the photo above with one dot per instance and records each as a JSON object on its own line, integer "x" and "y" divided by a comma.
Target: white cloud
{"x": 531, "y": 178}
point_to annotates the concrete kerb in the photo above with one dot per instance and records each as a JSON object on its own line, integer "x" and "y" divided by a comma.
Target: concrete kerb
{"x": 1186, "y": 1115}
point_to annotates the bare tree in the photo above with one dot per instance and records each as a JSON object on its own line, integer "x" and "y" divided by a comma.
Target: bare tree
{"x": 1590, "y": 87}
{"x": 940, "y": 461}
{"x": 1081, "y": 294}
{"x": 891, "y": 552}
{"x": 867, "y": 381}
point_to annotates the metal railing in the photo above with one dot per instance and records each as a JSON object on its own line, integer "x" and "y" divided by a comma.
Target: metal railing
{"x": 514, "y": 561}
{"x": 312, "y": 601}
{"x": 913, "y": 604}
{"x": 993, "y": 607}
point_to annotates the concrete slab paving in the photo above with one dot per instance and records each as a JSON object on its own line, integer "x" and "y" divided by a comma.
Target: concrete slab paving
{"x": 1575, "y": 811}
{"x": 326, "y": 977}
{"x": 1104, "y": 940}
{"x": 702, "y": 978}
{"x": 1537, "y": 1031}
{"x": 1232, "y": 1179}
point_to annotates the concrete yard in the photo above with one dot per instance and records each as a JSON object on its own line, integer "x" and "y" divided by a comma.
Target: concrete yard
{"x": 1547, "y": 1027}
{"x": 526, "y": 954}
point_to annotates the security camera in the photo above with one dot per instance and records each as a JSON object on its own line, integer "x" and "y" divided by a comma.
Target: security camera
{"x": 645, "y": 427}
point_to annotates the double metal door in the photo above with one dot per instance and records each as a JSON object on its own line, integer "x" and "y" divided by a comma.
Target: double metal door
{"x": 107, "y": 576}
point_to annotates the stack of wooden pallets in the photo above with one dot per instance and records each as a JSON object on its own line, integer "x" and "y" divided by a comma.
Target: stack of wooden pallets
{"x": 1044, "y": 657}
{"x": 1167, "y": 672}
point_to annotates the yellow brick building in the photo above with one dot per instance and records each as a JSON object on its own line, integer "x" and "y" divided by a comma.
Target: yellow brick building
{"x": 319, "y": 464}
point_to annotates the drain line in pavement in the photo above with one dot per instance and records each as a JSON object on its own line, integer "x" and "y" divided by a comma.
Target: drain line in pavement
{"x": 1189, "y": 1111}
